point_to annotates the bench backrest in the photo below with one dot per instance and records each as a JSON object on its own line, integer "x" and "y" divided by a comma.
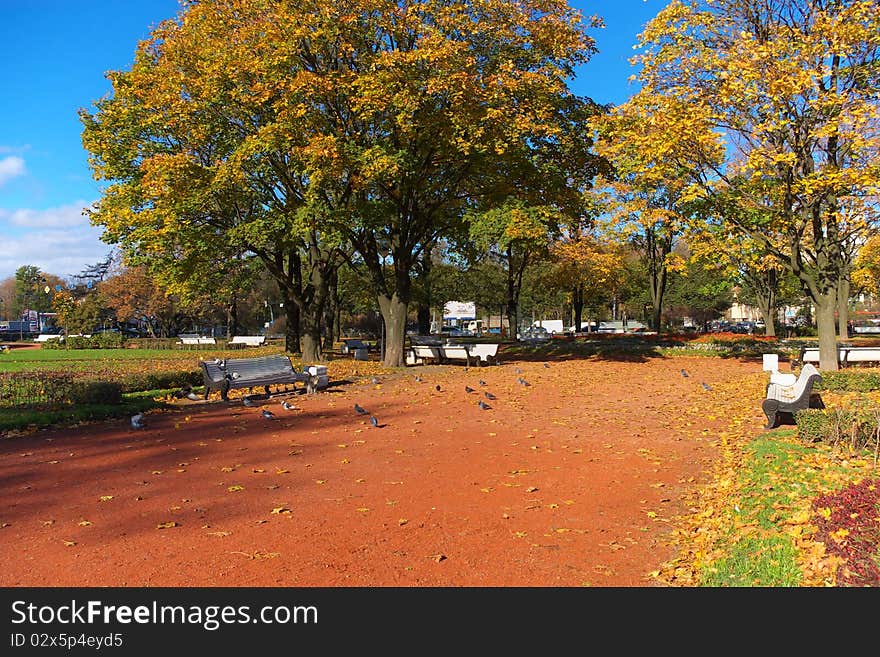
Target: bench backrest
{"x": 804, "y": 379}
{"x": 247, "y": 368}
{"x": 252, "y": 340}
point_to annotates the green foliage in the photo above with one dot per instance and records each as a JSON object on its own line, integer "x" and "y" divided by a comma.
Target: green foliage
{"x": 140, "y": 381}
{"x": 53, "y": 389}
{"x": 812, "y": 424}
{"x": 96, "y": 392}
{"x": 103, "y": 340}
{"x": 32, "y": 389}
{"x": 854, "y": 429}
{"x": 851, "y": 380}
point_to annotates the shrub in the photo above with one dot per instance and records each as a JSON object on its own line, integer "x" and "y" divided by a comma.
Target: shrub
{"x": 849, "y": 381}
{"x": 856, "y": 428}
{"x": 104, "y": 340}
{"x": 812, "y": 424}
{"x": 139, "y": 381}
{"x": 39, "y": 388}
{"x": 51, "y": 389}
{"x": 846, "y": 523}
{"x": 107, "y": 340}
{"x": 96, "y": 392}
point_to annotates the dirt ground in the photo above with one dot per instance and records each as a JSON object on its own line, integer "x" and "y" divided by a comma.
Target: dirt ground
{"x": 573, "y": 480}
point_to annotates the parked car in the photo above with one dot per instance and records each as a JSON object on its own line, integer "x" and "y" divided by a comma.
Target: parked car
{"x": 534, "y": 334}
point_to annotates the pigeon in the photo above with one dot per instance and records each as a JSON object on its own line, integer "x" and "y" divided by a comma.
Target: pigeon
{"x": 468, "y": 389}
{"x": 437, "y": 388}
{"x": 374, "y": 381}
{"x": 547, "y": 365}
{"x": 192, "y": 396}
{"x": 183, "y": 392}
{"x": 137, "y": 421}
{"x": 247, "y": 401}
{"x": 518, "y": 371}
{"x": 482, "y": 383}
{"x": 287, "y": 406}
{"x": 359, "y": 410}
{"x": 269, "y": 415}
{"x": 706, "y": 386}
{"x": 684, "y": 373}
{"x": 483, "y": 405}
{"x": 523, "y": 382}
{"x": 374, "y": 421}
{"x": 489, "y": 395}
{"x": 418, "y": 379}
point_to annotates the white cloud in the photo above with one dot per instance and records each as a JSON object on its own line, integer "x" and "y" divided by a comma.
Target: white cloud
{"x": 59, "y": 241}
{"x": 65, "y": 216}
{"x": 11, "y": 167}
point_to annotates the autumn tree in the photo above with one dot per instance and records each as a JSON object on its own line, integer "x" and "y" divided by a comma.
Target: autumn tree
{"x": 296, "y": 128}
{"x": 591, "y": 268}
{"x": 135, "y": 296}
{"x": 788, "y": 91}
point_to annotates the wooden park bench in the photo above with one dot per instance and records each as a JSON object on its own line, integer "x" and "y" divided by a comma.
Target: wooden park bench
{"x": 261, "y": 371}
{"x": 425, "y": 348}
{"x": 846, "y": 355}
{"x": 187, "y": 341}
{"x": 241, "y": 341}
{"x": 786, "y": 398}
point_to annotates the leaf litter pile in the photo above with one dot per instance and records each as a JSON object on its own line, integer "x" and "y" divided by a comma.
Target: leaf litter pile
{"x": 579, "y": 473}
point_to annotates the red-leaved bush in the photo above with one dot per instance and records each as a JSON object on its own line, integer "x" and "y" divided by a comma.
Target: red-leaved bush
{"x": 849, "y": 525}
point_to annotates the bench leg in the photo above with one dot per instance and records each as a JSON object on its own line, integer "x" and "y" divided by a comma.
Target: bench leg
{"x": 770, "y": 408}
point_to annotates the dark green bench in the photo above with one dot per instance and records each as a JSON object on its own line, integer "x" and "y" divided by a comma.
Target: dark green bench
{"x": 261, "y": 371}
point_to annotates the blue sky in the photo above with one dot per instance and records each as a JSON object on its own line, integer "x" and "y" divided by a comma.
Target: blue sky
{"x": 55, "y": 54}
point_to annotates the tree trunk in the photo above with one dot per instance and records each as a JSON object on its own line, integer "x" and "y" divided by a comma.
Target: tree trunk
{"x": 232, "y": 317}
{"x": 423, "y": 312}
{"x": 577, "y": 302}
{"x": 394, "y": 317}
{"x": 311, "y": 342}
{"x": 828, "y": 351}
{"x": 843, "y": 289}
{"x": 331, "y": 311}
{"x": 291, "y": 331}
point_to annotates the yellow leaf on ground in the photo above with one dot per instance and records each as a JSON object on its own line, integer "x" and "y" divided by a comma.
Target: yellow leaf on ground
{"x": 167, "y": 525}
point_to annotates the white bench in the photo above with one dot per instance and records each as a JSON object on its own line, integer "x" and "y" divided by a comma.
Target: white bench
{"x": 247, "y": 341}
{"x": 845, "y": 355}
{"x": 196, "y": 341}
{"x": 45, "y": 337}
{"x": 481, "y": 353}
{"x": 784, "y": 398}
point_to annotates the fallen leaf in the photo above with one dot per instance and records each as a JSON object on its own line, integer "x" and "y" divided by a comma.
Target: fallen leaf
{"x": 69, "y": 543}
{"x": 106, "y": 498}
{"x": 280, "y": 509}
{"x": 402, "y": 522}
{"x": 84, "y": 523}
{"x": 233, "y": 489}
{"x": 167, "y": 525}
